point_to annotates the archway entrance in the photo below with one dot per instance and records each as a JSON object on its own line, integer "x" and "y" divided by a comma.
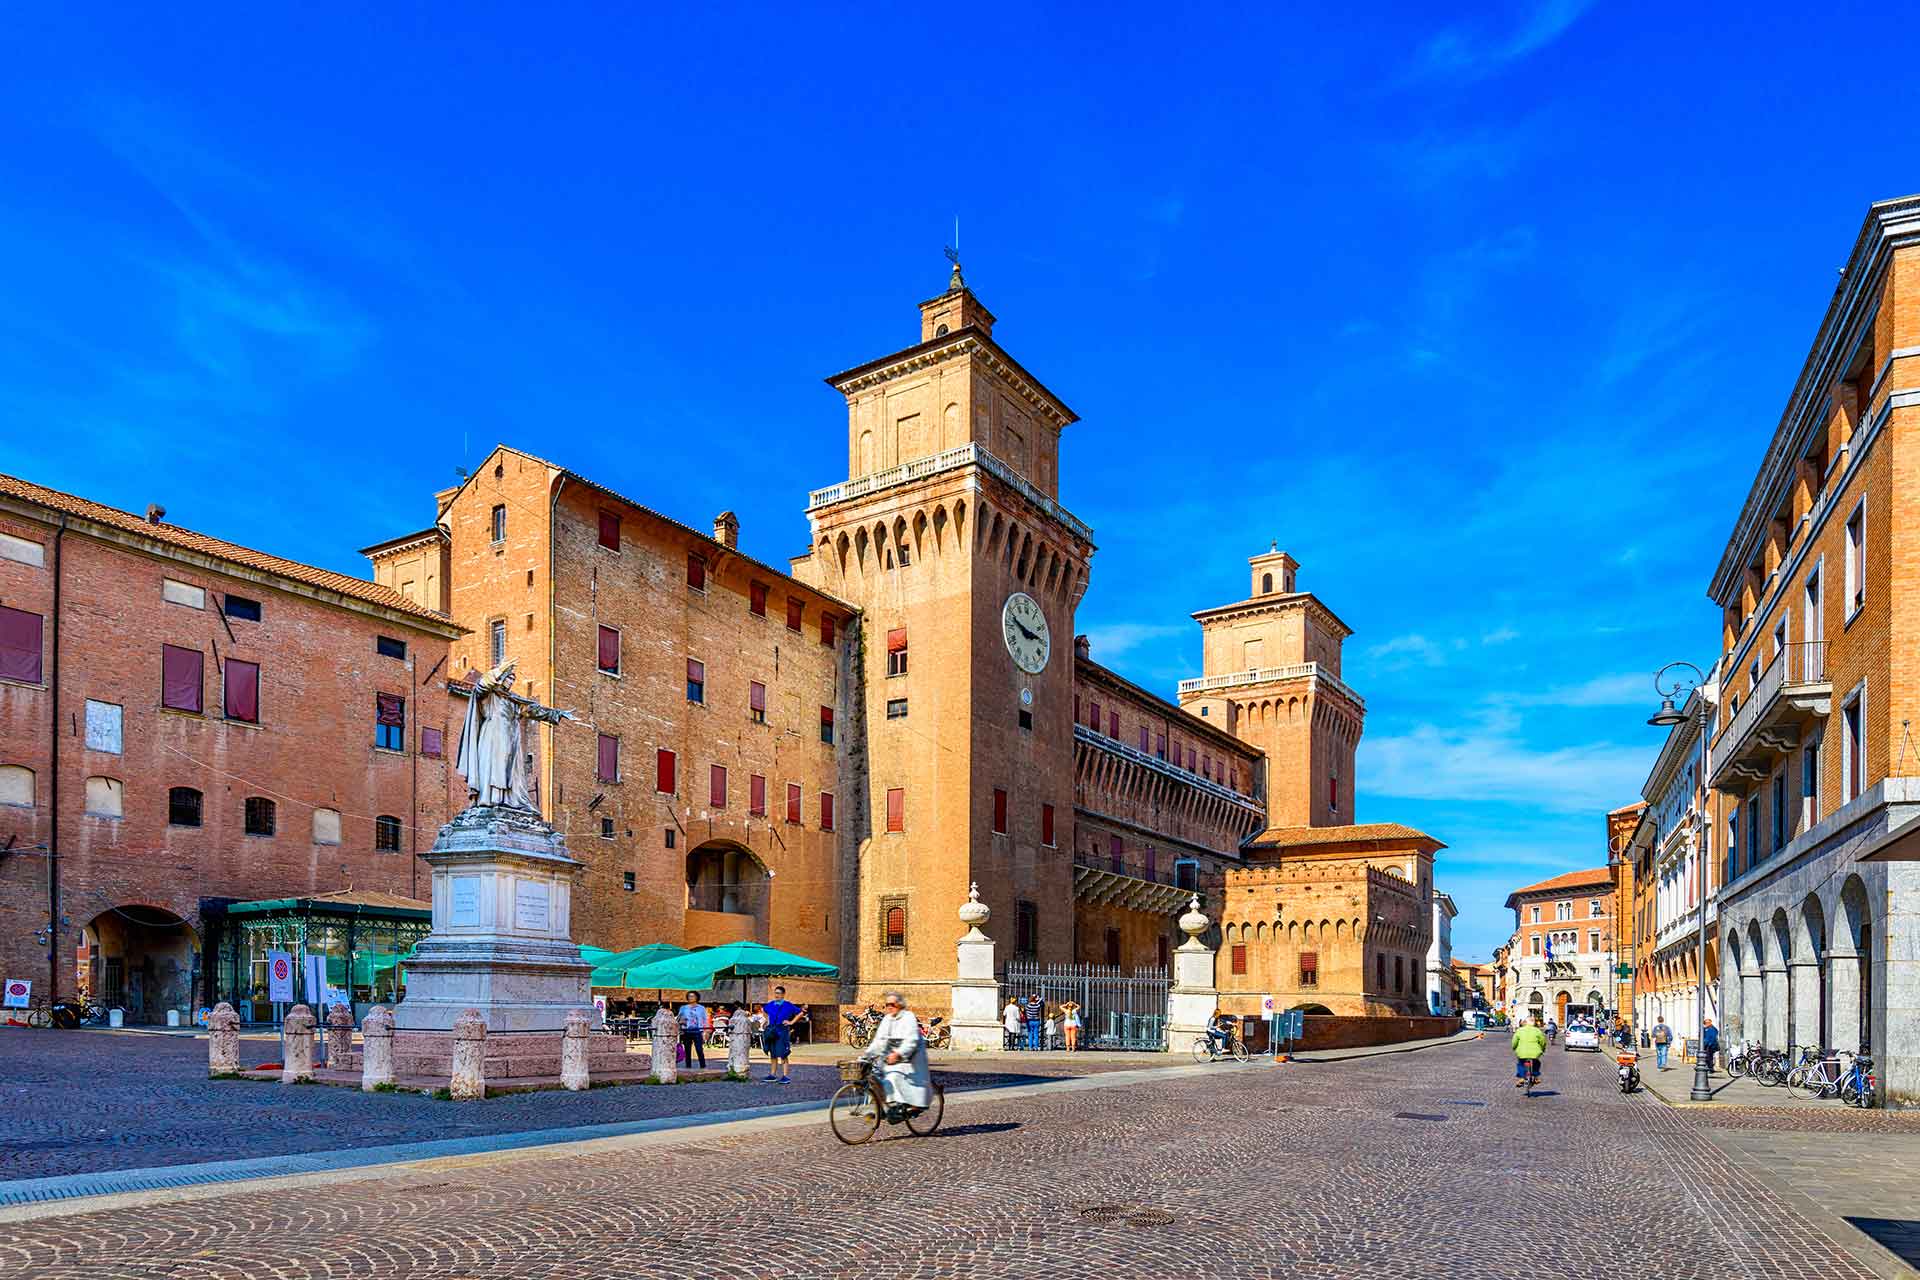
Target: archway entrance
{"x": 143, "y": 959}
{"x": 728, "y": 891}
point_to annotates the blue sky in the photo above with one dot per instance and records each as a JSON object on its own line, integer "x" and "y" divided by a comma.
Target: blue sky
{"x": 1484, "y": 315}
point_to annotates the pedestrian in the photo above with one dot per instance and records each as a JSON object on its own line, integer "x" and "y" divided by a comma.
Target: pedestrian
{"x": 1662, "y": 1041}
{"x": 1709, "y": 1044}
{"x": 693, "y": 1028}
{"x": 1034, "y": 1017}
{"x": 1010, "y": 1020}
{"x": 781, "y": 1015}
{"x": 1070, "y": 1017}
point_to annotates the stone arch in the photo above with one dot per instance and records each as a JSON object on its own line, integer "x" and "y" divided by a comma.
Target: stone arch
{"x": 141, "y": 957}
{"x": 960, "y": 522}
{"x": 1850, "y": 967}
{"x": 860, "y": 550}
{"x": 919, "y": 534}
{"x": 726, "y": 879}
{"x": 1339, "y": 929}
{"x": 1260, "y": 932}
{"x": 939, "y": 526}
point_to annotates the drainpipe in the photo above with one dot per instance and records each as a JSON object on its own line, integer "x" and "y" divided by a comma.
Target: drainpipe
{"x": 549, "y": 798}
{"x": 53, "y": 786}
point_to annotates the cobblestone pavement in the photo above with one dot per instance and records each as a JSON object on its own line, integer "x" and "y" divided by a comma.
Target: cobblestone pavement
{"x": 83, "y": 1102}
{"x": 1413, "y": 1165}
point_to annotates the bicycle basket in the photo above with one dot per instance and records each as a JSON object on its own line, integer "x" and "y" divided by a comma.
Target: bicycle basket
{"x": 854, "y": 1069}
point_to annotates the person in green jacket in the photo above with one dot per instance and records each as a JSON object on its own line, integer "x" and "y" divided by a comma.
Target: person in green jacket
{"x": 1529, "y": 1043}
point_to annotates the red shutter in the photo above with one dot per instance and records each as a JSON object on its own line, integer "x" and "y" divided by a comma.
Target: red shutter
{"x": 1143, "y": 738}
{"x": 19, "y": 645}
{"x": 757, "y": 599}
{"x": 896, "y": 809}
{"x": 717, "y": 786}
{"x": 180, "y": 678}
{"x": 826, "y": 811}
{"x": 430, "y": 743}
{"x": 663, "y": 779}
{"x": 826, "y": 724}
{"x": 390, "y": 709}
{"x": 609, "y": 763}
{"x": 1190, "y": 756}
{"x": 1239, "y": 958}
{"x": 826, "y": 630}
{"x": 757, "y": 795}
{"x": 696, "y": 571}
{"x": 896, "y": 640}
{"x": 756, "y": 695}
{"x": 1046, "y": 825}
{"x": 609, "y": 531}
{"x": 610, "y": 650}
{"x": 1113, "y": 724}
{"x": 1093, "y": 720}
{"x": 243, "y": 691}
{"x": 793, "y": 614}
{"x": 999, "y": 811}
{"x": 793, "y": 803}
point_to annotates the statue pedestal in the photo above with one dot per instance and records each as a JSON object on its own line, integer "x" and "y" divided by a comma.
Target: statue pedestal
{"x": 501, "y": 940}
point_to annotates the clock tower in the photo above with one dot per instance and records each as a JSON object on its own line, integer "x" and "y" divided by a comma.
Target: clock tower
{"x": 949, "y": 535}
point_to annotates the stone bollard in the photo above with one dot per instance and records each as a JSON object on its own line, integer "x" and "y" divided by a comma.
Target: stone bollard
{"x": 376, "y": 1049}
{"x": 297, "y": 1043}
{"x": 739, "y": 1039}
{"x": 223, "y": 1040}
{"x": 469, "y": 1083}
{"x": 666, "y": 1038}
{"x": 339, "y": 1037}
{"x": 573, "y": 1052}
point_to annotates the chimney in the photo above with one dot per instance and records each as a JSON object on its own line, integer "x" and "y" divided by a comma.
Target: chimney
{"x": 1083, "y": 648}
{"x": 155, "y": 513}
{"x": 726, "y": 530}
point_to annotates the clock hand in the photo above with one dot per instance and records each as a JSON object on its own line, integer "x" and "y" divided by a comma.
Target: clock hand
{"x": 1031, "y": 635}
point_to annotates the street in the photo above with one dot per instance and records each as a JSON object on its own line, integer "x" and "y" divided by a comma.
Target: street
{"x": 1405, "y": 1164}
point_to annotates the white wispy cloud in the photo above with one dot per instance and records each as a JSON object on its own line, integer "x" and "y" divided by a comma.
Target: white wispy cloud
{"x": 1488, "y": 761}
{"x": 1412, "y": 649}
{"x": 1118, "y": 639}
{"x": 1626, "y": 689}
{"x": 1465, "y": 53}
{"x": 1500, "y": 635}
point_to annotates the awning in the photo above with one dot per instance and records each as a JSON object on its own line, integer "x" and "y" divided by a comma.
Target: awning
{"x": 701, "y": 970}
{"x": 613, "y": 968}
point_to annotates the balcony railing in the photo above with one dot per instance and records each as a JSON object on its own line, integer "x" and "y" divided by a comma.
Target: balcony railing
{"x": 1792, "y": 689}
{"x": 970, "y": 454}
{"x": 1261, "y": 675}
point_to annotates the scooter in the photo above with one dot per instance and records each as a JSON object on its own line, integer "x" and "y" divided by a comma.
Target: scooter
{"x": 1629, "y": 1072}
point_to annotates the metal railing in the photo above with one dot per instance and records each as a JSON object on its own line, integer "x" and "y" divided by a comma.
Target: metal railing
{"x": 1260, "y": 675}
{"x": 1119, "y": 866}
{"x": 1795, "y": 664}
{"x": 1118, "y": 1009}
{"x": 970, "y": 454}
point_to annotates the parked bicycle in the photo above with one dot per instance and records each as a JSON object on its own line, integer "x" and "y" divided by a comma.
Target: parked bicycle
{"x": 1207, "y": 1049}
{"x": 861, "y": 1026}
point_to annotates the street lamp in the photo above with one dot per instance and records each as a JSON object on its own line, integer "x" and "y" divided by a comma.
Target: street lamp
{"x": 1665, "y": 718}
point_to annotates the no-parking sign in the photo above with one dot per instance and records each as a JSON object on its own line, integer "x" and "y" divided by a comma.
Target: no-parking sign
{"x": 279, "y": 977}
{"x": 18, "y": 989}
{"x": 1267, "y": 1006}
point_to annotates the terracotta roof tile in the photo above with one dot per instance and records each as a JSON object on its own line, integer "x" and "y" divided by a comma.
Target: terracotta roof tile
{"x": 1293, "y": 837}
{"x": 1594, "y": 875}
{"x": 232, "y": 553}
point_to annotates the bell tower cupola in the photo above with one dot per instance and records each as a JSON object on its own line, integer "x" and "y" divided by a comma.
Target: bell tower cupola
{"x": 954, "y": 310}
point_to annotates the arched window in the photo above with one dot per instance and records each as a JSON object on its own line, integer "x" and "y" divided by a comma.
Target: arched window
{"x": 16, "y": 785}
{"x": 183, "y": 807}
{"x": 326, "y": 826}
{"x": 106, "y": 798}
{"x": 1266, "y": 584}
{"x": 259, "y": 816}
{"x": 386, "y": 833}
{"x": 896, "y": 927}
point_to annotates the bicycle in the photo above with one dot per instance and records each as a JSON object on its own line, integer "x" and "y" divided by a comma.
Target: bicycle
{"x": 1818, "y": 1077}
{"x": 858, "y": 1106}
{"x": 1856, "y": 1087}
{"x": 1532, "y": 1076}
{"x": 1206, "y": 1049}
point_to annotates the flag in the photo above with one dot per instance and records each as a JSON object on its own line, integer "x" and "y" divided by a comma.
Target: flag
{"x": 1549, "y": 948}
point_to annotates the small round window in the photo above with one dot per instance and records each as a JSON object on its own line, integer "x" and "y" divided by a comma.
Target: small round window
{"x": 941, "y": 332}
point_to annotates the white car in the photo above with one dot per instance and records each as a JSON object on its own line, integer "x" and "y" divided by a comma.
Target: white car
{"x": 1581, "y": 1036}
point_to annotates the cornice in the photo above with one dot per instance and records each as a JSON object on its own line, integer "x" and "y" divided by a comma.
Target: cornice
{"x": 966, "y": 341}
{"x": 1276, "y": 604}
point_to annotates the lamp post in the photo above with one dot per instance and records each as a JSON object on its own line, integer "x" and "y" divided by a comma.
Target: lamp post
{"x": 1666, "y": 717}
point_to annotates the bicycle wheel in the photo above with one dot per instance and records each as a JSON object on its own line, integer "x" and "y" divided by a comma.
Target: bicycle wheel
{"x": 1239, "y": 1051}
{"x": 1202, "y": 1050}
{"x": 929, "y": 1120}
{"x": 1772, "y": 1073}
{"x": 1803, "y": 1083}
{"x": 854, "y": 1113}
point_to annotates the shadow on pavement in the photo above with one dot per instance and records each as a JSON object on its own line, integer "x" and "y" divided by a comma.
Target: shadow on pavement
{"x": 960, "y": 1130}
{"x": 1899, "y": 1236}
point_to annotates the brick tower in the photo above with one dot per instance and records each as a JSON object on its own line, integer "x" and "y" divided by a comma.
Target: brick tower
{"x": 1272, "y": 678}
{"x": 949, "y": 536}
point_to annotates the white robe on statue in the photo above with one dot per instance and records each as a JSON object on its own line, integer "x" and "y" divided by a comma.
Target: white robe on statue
{"x": 906, "y": 1081}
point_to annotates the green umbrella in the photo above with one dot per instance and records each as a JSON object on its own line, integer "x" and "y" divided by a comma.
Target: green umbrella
{"x": 613, "y": 968}
{"x": 700, "y": 970}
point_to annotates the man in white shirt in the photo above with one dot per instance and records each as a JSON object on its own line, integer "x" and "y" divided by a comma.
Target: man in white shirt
{"x": 693, "y": 1028}
{"x": 1010, "y": 1020}
{"x": 900, "y": 1054}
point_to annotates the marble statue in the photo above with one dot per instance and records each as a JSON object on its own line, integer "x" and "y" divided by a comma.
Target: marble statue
{"x": 493, "y": 752}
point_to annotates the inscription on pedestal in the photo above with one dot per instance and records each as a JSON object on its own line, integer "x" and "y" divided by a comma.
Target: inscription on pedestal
{"x": 466, "y": 900}
{"x": 530, "y": 905}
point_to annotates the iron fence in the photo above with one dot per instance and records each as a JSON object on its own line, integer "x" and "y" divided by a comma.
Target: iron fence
{"x": 1118, "y": 1009}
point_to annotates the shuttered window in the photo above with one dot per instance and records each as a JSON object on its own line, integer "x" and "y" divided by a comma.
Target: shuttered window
{"x": 1113, "y": 724}
{"x": 757, "y": 795}
{"x": 1046, "y": 825}
{"x": 609, "y": 531}
{"x": 19, "y": 645}
{"x": 242, "y": 690}
{"x": 826, "y": 811}
{"x": 430, "y": 743}
{"x": 793, "y": 803}
{"x": 757, "y": 599}
{"x": 1309, "y": 968}
{"x": 696, "y": 571}
{"x": 663, "y": 779}
{"x": 389, "y": 721}
{"x": 999, "y": 812}
{"x": 895, "y": 927}
{"x": 1093, "y": 720}
{"x": 896, "y": 809}
{"x": 717, "y": 786}
{"x": 607, "y": 766}
{"x": 794, "y": 608}
{"x": 696, "y": 681}
{"x": 826, "y": 725}
{"x": 1239, "y": 955}
{"x": 609, "y": 651}
{"x": 897, "y": 651}
{"x": 827, "y": 631}
{"x": 756, "y": 702}
{"x": 180, "y": 678}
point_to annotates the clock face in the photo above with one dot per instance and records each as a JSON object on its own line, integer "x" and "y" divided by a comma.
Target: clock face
{"x": 1025, "y": 629}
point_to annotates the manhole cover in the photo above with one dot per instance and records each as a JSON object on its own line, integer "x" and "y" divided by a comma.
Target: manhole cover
{"x": 1415, "y": 1115}
{"x": 1103, "y": 1213}
{"x": 1151, "y": 1218}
